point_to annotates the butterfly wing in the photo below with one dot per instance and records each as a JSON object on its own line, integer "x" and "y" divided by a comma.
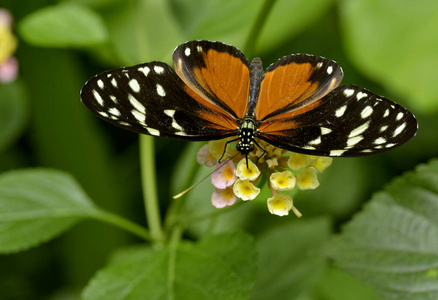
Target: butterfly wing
{"x": 217, "y": 73}
{"x": 348, "y": 121}
{"x": 294, "y": 84}
{"x": 151, "y": 99}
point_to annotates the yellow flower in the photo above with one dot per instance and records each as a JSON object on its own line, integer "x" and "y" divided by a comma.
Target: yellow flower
{"x": 322, "y": 163}
{"x": 245, "y": 190}
{"x": 244, "y": 172}
{"x": 307, "y": 179}
{"x": 272, "y": 162}
{"x": 298, "y": 161}
{"x": 283, "y": 181}
{"x": 280, "y": 204}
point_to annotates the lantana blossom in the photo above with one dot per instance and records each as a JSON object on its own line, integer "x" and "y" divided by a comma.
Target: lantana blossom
{"x": 242, "y": 177}
{"x": 8, "y": 45}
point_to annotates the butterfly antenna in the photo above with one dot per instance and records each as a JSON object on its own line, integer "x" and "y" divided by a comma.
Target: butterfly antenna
{"x": 205, "y": 177}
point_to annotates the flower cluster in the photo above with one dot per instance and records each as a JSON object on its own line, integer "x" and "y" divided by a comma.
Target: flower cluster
{"x": 235, "y": 177}
{"x": 8, "y": 44}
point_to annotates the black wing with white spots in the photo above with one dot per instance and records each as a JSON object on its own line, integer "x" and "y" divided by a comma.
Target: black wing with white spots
{"x": 349, "y": 121}
{"x": 151, "y": 99}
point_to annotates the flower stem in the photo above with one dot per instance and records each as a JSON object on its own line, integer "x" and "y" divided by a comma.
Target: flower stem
{"x": 123, "y": 223}
{"x": 149, "y": 183}
{"x": 257, "y": 27}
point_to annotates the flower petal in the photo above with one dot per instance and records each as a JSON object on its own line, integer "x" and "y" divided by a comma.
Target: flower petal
{"x": 224, "y": 176}
{"x": 250, "y": 172}
{"x": 222, "y": 198}
{"x": 283, "y": 181}
{"x": 245, "y": 190}
{"x": 307, "y": 179}
{"x": 280, "y": 204}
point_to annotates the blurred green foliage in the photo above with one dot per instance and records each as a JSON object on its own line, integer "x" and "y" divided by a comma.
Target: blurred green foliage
{"x": 387, "y": 46}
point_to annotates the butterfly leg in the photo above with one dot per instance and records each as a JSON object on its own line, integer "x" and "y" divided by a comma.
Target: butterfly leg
{"x": 261, "y": 148}
{"x": 225, "y": 148}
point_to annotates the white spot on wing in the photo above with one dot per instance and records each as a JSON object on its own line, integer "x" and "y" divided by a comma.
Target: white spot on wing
{"x": 316, "y": 141}
{"x": 361, "y": 95}
{"x": 379, "y": 141}
{"x": 159, "y": 70}
{"x": 103, "y": 114}
{"x": 348, "y": 92}
{"x": 133, "y": 84}
{"x": 329, "y": 70}
{"x": 325, "y": 130}
{"x": 399, "y": 116}
{"x": 98, "y": 97}
{"x": 114, "y": 82}
{"x": 359, "y": 130}
{"x": 354, "y": 140}
{"x": 399, "y": 129}
{"x": 114, "y": 111}
{"x": 337, "y": 152}
{"x": 137, "y": 105}
{"x": 366, "y": 112}
{"x": 386, "y": 113}
{"x": 169, "y": 112}
{"x": 340, "y": 111}
{"x": 100, "y": 83}
{"x": 144, "y": 70}
{"x": 383, "y": 128}
{"x": 139, "y": 116}
{"x": 160, "y": 90}
{"x": 153, "y": 131}
{"x": 199, "y": 48}
{"x": 319, "y": 65}
{"x": 187, "y": 51}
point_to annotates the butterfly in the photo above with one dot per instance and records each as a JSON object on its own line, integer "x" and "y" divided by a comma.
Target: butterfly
{"x": 214, "y": 93}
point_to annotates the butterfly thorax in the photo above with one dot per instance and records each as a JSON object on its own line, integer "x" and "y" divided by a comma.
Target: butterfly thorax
{"x": 248, "y": 127}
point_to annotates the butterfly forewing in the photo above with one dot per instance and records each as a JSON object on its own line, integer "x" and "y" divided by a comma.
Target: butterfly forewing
{"x": 349, "y": 121}
{"x": 217, "y": 73}
{"x": 294, "y": 84}
{"x": 151, "y": 99}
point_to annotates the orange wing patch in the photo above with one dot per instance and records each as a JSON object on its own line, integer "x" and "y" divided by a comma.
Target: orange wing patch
{"x": 286, "y": 121}
{"x": 290, "y": 86}
{"x": 219, "y": 78}
{"x": 216, "y": 116}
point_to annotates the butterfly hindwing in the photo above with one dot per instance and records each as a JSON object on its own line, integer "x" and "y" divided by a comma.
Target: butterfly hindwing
{"x": 217, "y": 73}
{"x": 151, "y": 99}
{"x": 349, "y": 121}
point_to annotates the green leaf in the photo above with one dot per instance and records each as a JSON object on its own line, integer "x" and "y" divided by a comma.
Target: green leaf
{"x": 13, "y": 112}
{"x": 218, "y": 267}
{"x": 338, "y": 285}
{"x": 36, "y": 205}
{"x": 287, "y": 19}
{"x": 395, "y": 42}
{"x": 289, "y": 260}
{"x": 228, "y": 21}
{"x": 393, "y": 243}
{"x": 63, "y": 25}
{"x": 143, "y": 30}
